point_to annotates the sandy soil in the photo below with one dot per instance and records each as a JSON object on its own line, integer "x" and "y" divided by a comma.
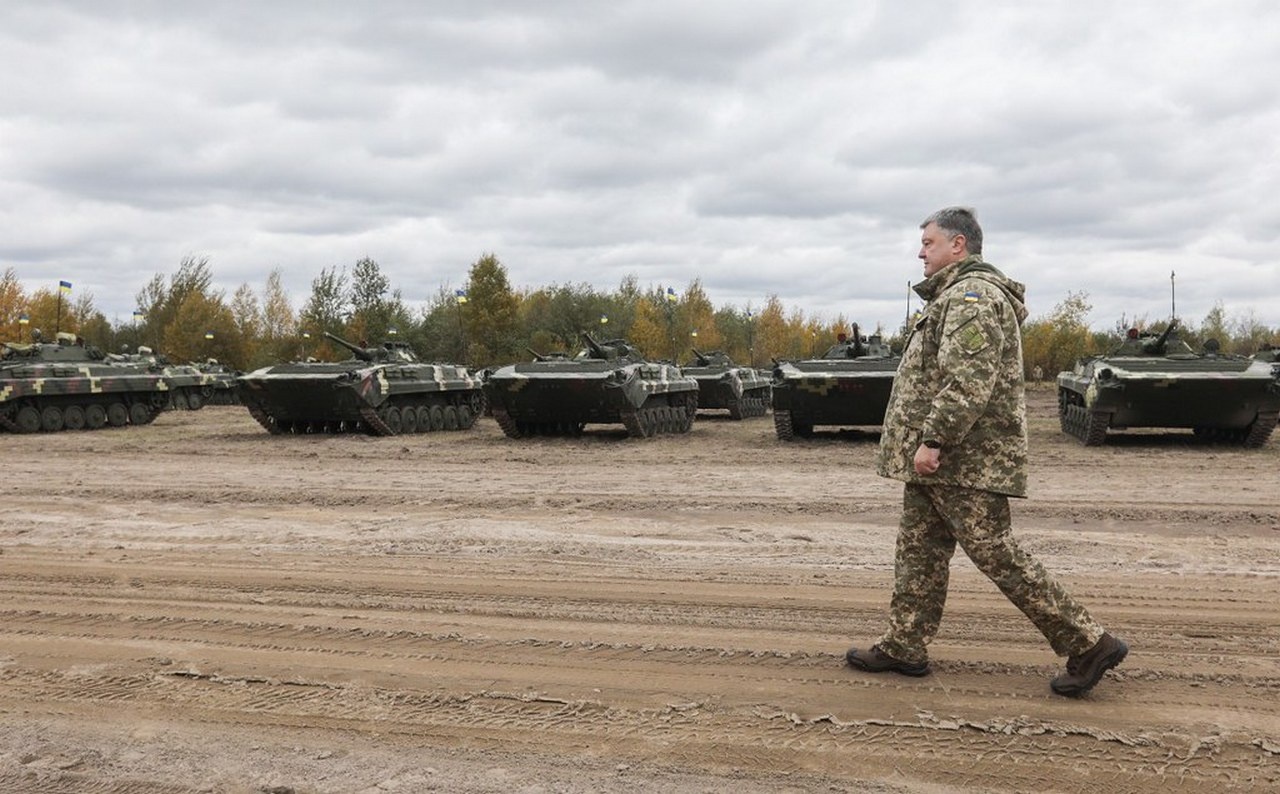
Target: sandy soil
{"x": 197, "y": 606}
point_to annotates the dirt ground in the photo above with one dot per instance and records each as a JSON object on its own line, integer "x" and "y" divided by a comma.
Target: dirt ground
{"x": 197, "y": 606}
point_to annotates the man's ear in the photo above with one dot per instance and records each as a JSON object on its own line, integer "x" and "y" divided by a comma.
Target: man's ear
{"x": 959, "y": 243}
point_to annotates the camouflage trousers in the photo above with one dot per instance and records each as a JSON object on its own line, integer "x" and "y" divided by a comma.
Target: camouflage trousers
{"x": 937, "y": 517}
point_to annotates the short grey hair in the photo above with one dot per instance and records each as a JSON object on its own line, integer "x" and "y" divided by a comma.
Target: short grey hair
{"x": 958, "y": 220}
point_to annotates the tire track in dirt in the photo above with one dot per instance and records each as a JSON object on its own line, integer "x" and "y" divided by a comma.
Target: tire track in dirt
{"x": 569, "y": 604}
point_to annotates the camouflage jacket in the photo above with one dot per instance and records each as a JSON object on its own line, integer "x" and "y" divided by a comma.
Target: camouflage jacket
{"x": 960, "y": 382}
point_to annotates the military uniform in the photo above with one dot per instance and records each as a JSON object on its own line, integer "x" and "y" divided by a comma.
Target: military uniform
{"x": 960, "y": 385}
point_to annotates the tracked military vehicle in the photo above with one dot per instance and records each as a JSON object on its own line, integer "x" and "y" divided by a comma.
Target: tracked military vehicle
{"x": 606, "y": 383}
{"x": 381, "y": 391}
{"x": 1159, "y": 381}
{"x": 848, "y": 386}
{"x": 219, "y": 382}
{"x": 66, "y": 385}
{"x": 191, "y": 387}
{"x": 744, "y": 391}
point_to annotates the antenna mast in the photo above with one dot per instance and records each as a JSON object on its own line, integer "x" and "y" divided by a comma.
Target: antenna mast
{"x": 1173, "y": 297}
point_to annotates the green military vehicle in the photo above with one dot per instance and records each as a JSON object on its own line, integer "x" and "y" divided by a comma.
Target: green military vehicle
{"x": 381, "y": 391}
{"x": 848, "y": 386}
{"x": 605, "y": 383}
{"x": 1157, "y": 380}
{"x": 723, "y": 385}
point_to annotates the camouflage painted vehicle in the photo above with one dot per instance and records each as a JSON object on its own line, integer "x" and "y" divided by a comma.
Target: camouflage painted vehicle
{"x": 744, "y": 391}
{"x": 381, "y": 391}
{"x": 66, "y": 385}
{"x": 220, "y": 381}
{"x": 848, "y": 386}
{"x": 606, "y": 383}
{"x": 191, "y": 387}
{"x": 1159, "y": 381}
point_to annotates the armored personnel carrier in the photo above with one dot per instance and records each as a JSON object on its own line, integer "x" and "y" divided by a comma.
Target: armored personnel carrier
{"x": 66, "y": 385}
{"x": 1159, "y": 381}
{"x": 382, "y": 391}
{"x": 219, "y": 382}
{"x": 606, "y": 383}
{"x": 744, "y": 391}
{"x": 848, "y": 386}
{"x": 191, "y": 388}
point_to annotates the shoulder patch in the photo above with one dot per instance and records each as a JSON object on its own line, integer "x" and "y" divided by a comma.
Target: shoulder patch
{"x": 972, "y": 296}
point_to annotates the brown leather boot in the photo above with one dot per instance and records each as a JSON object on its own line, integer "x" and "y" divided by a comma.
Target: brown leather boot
{"x": 1086, "y": 669}
{"x": 877, "y": 661}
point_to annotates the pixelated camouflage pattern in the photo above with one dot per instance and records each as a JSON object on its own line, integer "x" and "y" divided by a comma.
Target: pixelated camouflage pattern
{"x": 960, "y": 382}
{"x": 935, "y": 518}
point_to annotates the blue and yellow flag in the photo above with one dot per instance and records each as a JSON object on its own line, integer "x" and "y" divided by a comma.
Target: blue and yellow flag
{"x": 137, "y": 315}
{"x": 24, "y": 319}
{"x": 208, "y": 334}
{"x": 671, "y": 294}
{"x": 461, "y": 295}
{"x": 64, "y": 287}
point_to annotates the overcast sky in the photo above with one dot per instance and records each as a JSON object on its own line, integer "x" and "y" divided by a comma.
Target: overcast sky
{"x": 784, "y": 147}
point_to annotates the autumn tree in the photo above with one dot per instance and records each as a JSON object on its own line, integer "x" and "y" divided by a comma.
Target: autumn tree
{"x": 1054, "y": 343}
{"x": 695, "y": 325}
{"x": 12, "y": 305}
{"x": 279, "y": 336}
{"x": 203, "y": 327}
{"x": 772, "y": 332}
{"x": 491, "y": 313}
{"x": 648, "y": 326}
{"x": 325, "y": 311}
{"x": 160, "y": 299}
{"x": 375, "y": 310}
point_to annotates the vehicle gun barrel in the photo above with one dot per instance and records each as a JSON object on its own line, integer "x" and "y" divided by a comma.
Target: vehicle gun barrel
{"x": 1157, "y": 345}
{"x": 359, "y": 352}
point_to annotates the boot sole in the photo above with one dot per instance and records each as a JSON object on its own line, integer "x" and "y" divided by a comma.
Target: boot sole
{"x": 1108, "y": 663}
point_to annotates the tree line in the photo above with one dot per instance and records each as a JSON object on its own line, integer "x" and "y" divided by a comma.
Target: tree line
{"x": 486, "y": 322}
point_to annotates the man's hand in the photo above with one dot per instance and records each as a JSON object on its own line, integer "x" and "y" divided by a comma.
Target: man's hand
{"x": 926, "y": 460}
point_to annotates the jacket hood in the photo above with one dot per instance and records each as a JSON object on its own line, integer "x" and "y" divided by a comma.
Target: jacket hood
{"x": 972, "y": 266}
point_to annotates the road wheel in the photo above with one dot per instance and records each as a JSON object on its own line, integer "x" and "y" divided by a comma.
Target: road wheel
{"x": 73, "y": 417}
{"x": 95, "y": 416}
{"x": 27, "y": 420}
{"x": 139, "y": 414}
{"x": 51, "y": 419}
{"x": 117, "y": 415}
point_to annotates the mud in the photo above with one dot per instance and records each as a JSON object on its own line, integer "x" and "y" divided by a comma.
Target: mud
{"x": 197, "y": 606}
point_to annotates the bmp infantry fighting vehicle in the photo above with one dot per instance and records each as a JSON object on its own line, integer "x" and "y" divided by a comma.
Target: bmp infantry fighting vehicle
{"x": 382, "y": 391}
{"x": 606, "y": 383}
{"x": 722, "y": 384}
{"x": 1158, "y": 381}
{"x": 220, "y": 382}
{"x": 192, "y": 388}
{"x": 848, "y": 386}
{"x": 66, "y": 385}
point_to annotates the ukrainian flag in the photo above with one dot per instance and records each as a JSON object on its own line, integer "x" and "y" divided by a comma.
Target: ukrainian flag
{"x": 461, "y": 295}
{"x": 671, "y": 294}
{"x": 208, "y": 334}
{"x": 65, "y": 287}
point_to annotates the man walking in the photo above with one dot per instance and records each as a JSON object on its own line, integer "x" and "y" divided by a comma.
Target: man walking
{"x": 955, "y": 432}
